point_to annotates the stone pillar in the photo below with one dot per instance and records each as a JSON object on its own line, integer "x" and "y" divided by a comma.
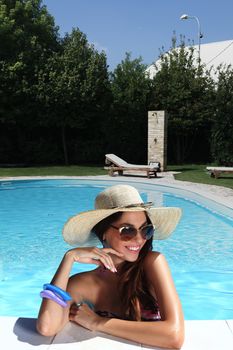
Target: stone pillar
{"x": 157, "y": 138}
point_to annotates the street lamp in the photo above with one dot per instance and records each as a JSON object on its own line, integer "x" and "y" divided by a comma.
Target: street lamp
{"x": 184, "y": 16}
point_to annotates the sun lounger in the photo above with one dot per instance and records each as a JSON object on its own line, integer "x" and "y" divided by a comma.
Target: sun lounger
{"x": 117, "y": 164}
{"x": 216, "y": 171}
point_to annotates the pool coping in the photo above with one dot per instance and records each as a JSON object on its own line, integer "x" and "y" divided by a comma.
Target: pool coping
{"x": 20, "y": 334}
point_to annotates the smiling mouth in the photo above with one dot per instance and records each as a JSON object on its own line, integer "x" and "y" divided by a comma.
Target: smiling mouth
{"x": 133, "y": 249}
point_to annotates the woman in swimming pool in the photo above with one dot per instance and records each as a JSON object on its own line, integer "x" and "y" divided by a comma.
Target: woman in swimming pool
{"x": 131, "y": 282}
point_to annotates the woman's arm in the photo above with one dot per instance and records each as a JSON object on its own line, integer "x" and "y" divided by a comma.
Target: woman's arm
{"x": 52, "y": 317}
{"x": 169, "y": 332}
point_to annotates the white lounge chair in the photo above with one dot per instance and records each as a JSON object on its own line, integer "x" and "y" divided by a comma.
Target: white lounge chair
{"x": 216, "y": 171}
{"x": 117, "y": 164}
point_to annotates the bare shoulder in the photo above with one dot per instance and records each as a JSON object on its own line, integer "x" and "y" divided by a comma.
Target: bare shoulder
{"x": 82, "y": 284}
{"x": 83, "y": 278}
{"x": 153, "y": 257}
{"x": 158, "y": 272}
{"x": 155, "y": 264}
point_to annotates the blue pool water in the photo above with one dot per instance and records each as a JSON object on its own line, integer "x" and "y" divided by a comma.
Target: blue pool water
{"x": 32, "y": 214}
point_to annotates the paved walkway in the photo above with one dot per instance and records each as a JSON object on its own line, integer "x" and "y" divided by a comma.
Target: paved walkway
{"x": 219, "y": 194}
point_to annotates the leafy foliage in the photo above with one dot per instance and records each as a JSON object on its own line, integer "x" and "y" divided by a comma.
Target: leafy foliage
{"x": 74, "y": 88}
{"x": 59, "y": 104}
{"x": 131, "y": 90}
{"x": 28, "y": 36}
{"x": 222, "y": 132}
{"x": 182, "y": 88}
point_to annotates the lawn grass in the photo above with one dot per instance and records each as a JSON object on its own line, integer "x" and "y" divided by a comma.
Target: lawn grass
{"x": 73, "y": 170}
{"x": 198, "y": 173}
{"x": 188, "y": 172}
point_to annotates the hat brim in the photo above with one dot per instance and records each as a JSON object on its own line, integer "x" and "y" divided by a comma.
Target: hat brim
{"x": 78, "y": 228}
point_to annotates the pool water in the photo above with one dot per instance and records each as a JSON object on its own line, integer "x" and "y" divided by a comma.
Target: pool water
{"x": 32, "y": 214}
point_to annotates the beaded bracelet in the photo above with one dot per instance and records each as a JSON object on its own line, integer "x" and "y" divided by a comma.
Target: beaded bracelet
{"x": 60, "y": 292}
{"x": 52, "y": 296}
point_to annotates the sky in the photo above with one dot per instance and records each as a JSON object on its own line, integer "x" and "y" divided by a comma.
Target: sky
{"x": 142, "y": 27}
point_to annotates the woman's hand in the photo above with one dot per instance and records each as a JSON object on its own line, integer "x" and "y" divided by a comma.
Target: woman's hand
{"x": 94, "y": 255}
{"x": 84, "y": 316}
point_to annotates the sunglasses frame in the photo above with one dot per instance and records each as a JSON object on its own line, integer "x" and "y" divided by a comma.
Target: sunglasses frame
{"x": 136, "y": 230}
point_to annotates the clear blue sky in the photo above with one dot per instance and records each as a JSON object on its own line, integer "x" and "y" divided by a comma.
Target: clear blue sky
{"x": 142, "y": 27}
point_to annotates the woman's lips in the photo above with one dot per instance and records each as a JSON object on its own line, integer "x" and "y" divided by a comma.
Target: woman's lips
{"x": 133, "y": 249}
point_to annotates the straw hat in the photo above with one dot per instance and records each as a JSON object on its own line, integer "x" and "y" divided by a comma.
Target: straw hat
{"x": 119, "y": 198}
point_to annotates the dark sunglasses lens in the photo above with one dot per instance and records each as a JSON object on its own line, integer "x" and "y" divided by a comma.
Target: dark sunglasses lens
{"x": 128, "y": 233}
{"x": 147, "y": 231}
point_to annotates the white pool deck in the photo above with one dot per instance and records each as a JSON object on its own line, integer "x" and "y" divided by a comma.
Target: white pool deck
{"x": 19, "y": 333}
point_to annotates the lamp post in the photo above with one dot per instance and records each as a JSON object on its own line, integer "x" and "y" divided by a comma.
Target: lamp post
{"x": 199, "y": 34}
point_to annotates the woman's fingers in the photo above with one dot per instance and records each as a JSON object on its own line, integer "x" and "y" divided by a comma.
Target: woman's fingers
{"x": 109, "y": 252}
{"x": 105, "y": 259}
{"x": 112, "y": 251}
{"x": 94, "y": 255}
{"x": 84, "y": 316}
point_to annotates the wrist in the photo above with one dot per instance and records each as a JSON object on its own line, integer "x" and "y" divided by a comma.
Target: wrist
{"x": 69, "y": 256}
{"x": 100, "y": 322}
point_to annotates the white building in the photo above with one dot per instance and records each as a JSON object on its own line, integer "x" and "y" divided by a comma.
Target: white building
{"x": 211, "y": 55}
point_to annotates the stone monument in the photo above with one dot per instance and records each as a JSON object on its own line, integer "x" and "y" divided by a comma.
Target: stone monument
{"x": 157, "y": 138}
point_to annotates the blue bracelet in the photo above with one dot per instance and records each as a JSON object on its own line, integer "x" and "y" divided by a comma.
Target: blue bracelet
{"x": 52, "y": 296}
{"x": 60, "y": 292}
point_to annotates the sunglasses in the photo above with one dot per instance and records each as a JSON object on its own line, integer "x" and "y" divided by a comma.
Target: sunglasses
{"x": 128, "y": 232}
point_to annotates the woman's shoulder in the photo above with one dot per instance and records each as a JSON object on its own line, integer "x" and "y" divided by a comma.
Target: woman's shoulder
{"x": 83, "y": 280}
{"x": 152, "y": 257}
{"x": 155, "y": 264}
{"x": 84, "y": 283}
{"x": 83, "y": 277}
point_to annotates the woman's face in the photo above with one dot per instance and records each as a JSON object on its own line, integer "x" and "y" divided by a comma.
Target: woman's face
{"x": 130, "y": 248}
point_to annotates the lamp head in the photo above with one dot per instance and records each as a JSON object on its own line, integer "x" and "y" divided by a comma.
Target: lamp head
{"x": 184, "y": 16}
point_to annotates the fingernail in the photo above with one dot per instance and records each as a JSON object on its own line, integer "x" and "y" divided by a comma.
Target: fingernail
{"x": 108, "y": 267}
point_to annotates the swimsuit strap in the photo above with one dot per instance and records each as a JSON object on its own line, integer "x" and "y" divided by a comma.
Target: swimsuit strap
{"x": 107, "y": 314}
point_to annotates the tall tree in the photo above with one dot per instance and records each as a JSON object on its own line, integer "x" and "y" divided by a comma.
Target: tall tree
{"x": 222, "y": 131}
{"x": 27, "y": 38}
{"x": 131, "y": 90}
{"x": 74, "y": 87}
{"x": 187, "y": 92}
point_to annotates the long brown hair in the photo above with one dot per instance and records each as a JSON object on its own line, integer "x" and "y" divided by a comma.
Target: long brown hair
{"x": 133, "y": 288}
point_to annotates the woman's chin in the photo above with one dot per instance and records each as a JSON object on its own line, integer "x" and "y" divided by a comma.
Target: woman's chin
{"x": 131, "y": 257}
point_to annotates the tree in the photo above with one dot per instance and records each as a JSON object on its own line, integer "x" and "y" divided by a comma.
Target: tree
{"x": 128, "y": 123}
{"x": 28, "y": 36}
{"x": 222, "y": 131}
{"x": 183, "y": 89}
{"x": 74, "y": 88}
